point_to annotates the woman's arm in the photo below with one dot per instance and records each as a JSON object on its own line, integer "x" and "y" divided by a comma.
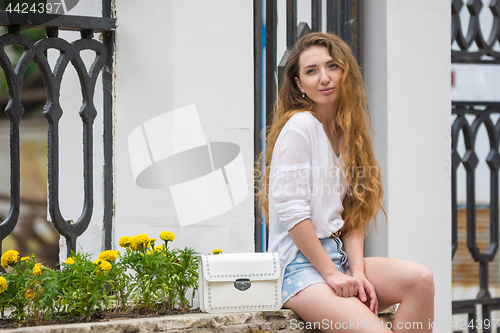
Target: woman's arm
{"x": 353, "y": 245}
{"x": 307, "y": 241}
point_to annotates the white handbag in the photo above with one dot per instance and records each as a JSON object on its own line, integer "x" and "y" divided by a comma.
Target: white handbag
{"x": 239, "y": 282}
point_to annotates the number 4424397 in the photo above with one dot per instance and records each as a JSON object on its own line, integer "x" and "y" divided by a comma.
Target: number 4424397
{"x": 478, "y": 323}
{"x": 34, "y": 8}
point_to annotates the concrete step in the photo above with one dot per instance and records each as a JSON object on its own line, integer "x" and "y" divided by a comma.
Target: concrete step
{"x": 282, "y": 321}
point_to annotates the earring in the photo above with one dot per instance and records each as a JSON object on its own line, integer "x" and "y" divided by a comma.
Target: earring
{"x": 303, "y": 95}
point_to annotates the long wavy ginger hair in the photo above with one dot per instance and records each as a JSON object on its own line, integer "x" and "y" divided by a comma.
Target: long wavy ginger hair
{"x": 351, "y": 121}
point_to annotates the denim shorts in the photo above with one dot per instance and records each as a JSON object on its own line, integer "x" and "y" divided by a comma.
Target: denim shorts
{"x": 300, "y": 273}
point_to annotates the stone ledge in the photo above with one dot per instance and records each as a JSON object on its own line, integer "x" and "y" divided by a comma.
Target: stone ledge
{"x": 250, "y": 322}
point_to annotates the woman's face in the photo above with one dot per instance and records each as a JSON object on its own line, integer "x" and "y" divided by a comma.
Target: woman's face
{"x": 319, "y": 77}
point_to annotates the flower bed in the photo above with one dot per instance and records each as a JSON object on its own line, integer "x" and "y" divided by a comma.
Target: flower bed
{"x": 146, "y": 278}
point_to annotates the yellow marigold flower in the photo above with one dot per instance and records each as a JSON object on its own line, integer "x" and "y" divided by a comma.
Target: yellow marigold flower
{"x": 9, "y": 257}
{"x": 216, "y": 251}
{"x": 38, "y": 270}
{"x": 167, "y": 236}
{"x": 69, "y": 261}
{"x": 23, "y": 259}
{"x": 125, "y": 241}
{"x": 29, "y": 294}
{"x": 103, "y": 265}
{"x": 108, "y": 255}
{"x": 3, "y": 284}
{"x": 156, "y": 249}
{"x": 139, "y": 241}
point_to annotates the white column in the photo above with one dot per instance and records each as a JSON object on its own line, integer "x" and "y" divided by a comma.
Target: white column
{"x": 169, "y": 55}
{"x": 407, "y": 73}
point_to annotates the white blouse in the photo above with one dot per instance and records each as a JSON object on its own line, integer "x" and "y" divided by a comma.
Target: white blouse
{"x": 306, "y": 181}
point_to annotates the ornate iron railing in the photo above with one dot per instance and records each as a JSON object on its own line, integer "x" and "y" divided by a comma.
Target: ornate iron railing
{"x": 343, "y": 18}
{"x": 483, "y": 114}
{"x": 69, "y": 53}
{"x": 485, "y": 53}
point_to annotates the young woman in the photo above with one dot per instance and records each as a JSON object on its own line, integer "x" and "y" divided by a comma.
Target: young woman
{"x": 321, "y": 188}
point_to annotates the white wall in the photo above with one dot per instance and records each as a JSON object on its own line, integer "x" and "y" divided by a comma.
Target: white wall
{"x": 407, "y": 72}
{"x": 171, "y": 54}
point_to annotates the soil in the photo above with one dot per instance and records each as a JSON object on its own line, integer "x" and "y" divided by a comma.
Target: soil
{"x": 99, "y": 316}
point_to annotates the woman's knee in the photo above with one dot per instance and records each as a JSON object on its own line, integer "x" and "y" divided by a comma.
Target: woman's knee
{"x": 422, "y": 281}
{"x": 428, "y": 281}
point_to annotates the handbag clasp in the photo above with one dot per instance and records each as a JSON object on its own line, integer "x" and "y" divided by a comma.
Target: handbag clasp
{"x": 242, "y": 284}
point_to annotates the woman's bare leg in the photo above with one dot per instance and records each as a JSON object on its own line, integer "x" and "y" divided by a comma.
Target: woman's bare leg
{"x": 319, "y": 304}
{"x": 395, "y": 281}
{"x": 405, "y": 282}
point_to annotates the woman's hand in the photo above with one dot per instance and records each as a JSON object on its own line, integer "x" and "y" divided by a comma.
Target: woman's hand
{"x": 367, "y": 293}
{"x": 343, "y": 285}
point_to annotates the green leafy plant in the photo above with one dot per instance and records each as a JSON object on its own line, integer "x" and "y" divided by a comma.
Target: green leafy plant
{"x": 31, "y": 290}
{"x": 14, "y": 287}
{"x": 162, "y": 276}
{"x": 83, "y": 285}
{"x": 146, "y": 276}
{"x": 42, "y": 292}
{"x": 187, "y": 276}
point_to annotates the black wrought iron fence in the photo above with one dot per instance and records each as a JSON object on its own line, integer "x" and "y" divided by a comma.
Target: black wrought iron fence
{"x": 475, "y": 49}
{"x": 343, "y": 18}
{"x": 70, "y": 227}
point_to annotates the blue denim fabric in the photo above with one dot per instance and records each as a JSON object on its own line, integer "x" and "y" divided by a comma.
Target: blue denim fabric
{"x": 300, "y": 273}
